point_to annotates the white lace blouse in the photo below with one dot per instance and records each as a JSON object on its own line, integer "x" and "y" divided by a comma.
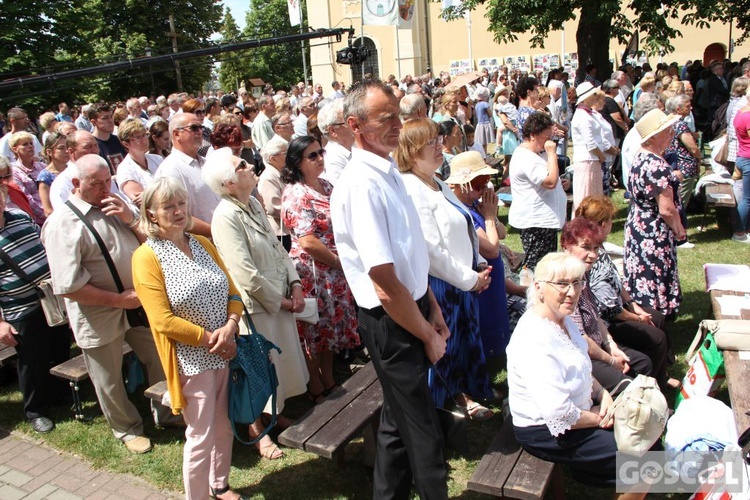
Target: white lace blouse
{"x": 549, "y": 374}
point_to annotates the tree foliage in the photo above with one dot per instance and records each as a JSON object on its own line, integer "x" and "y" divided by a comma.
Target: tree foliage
{"x": 601, "y": 20}
{"x": 44, "y": 37}
{"x": 233, "y": 68}
{"x": 280, "y": 64}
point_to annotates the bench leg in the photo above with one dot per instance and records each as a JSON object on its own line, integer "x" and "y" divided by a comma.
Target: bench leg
{"x": 369, "y": 446}
{"x": 77, "y": 406}
{"x": 558, "y": 483}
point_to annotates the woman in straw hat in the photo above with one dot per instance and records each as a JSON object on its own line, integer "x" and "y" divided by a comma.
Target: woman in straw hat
{"x": 456, "y": 269}
{"x": 653, "y": 223}
{"x": 588, "y": 153}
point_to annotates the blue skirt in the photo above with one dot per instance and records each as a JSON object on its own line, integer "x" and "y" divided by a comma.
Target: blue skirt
{"x": 463, "y": 367}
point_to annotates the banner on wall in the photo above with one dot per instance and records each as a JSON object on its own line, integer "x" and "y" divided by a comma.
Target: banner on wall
{"x": 406, "y": 13}
{"x": 380, "y": 12}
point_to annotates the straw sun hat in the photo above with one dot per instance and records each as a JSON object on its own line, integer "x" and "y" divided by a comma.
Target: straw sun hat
{"x": 654, "y": 122}
{"x": 467, "y": 166}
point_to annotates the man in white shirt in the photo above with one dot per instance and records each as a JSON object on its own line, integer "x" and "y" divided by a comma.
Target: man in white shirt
{"x": 184, "y": 164}
{"x": 262, "y": 128}
{"x": 19, "y": 121}
{"x": 133, "y": 105}
{"x": 384, "y": 257}
{"x": 340, "y": 139}
{"x": 306, "y": 110}
{"x": 337, "y": 92}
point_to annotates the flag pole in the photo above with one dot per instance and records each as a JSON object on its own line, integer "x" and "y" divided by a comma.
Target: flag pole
{"x": 398, "y": 53}
{"x": 362, "y": 32}
{"x": 302, "y": 42}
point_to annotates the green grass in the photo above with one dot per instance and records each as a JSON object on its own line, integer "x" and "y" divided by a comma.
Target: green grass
{"x": 302, "y": 475}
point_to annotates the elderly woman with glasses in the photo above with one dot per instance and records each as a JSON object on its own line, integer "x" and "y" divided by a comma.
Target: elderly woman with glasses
{"x": 265, "y": 275}
{"x": 26, "y": 169}
{"x": 195, "y": 310}
{"x": 457, "y": 271}
{"x": 556, "y": 404}
{"x": 306, "y": 211}
{"x": 136, "y": 172}
{"x": 582, "y": 239}
{"x": 271, "y": 186}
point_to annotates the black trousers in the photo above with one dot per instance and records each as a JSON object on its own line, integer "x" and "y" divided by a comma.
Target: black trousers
{"x": 609, "y": 376}
{"x": 650, "y": 340}
{"x": 40, "y": 347}
{"x": 410, "y": 439}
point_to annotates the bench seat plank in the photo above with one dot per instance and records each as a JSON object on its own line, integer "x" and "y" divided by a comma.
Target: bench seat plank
{"x": 723, "y": 190}
{"x": 497, "y": 463}
{"x": 306, "y": 426}
{"x": 156, "y": 391}
{"x": 346, "y": 425}
{"x": 75, "y": 370}
{"x": 529, "y": 478}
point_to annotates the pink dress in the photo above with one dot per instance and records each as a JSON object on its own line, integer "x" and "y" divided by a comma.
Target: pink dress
{"x": 307, "y": 212}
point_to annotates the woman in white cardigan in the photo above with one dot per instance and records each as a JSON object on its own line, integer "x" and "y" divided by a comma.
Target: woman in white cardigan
{"x": 588, "y": 156}
{"x": 457, "y": 272}
{"x": 263, "y": 272}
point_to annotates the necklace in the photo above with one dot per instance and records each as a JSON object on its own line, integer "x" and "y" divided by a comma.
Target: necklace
{"x": 430, "y": 184}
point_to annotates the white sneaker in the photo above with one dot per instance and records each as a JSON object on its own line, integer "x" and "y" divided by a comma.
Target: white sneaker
{"x": 686, "y": 246}
{"x": 742, "y": 239}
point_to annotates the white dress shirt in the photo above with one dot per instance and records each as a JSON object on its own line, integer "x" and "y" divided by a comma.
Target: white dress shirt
{"x": 549, "y": 374}
{"x": 375, "y": 223}
{"x": 630, "y": 147}
{"x": 606, "y": 137}
{"x": 336, "y": 159}
{"x": 585, "y": 134}
{"x": 300, "y": 126}
{"x": 186, "y": 169}
{"x": 262, "y": 130}
{"x": 534, "y": 205}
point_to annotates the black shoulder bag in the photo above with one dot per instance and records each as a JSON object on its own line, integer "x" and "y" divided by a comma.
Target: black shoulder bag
{"x": 136, "y": 317}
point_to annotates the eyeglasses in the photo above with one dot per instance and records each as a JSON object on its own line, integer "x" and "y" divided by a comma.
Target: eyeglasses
{"x": 437, "y": 142}
{"x": 238, "y": 113}
{"x": 193, "y": 127}
{"x": 242, "y": 165}
{"x": 283, "y": 124}
{"x": 314, "y": 155}
{"x": 564, "y": 286}
{"x": 336, "y": 124}
{"x": 137, "y": 137}
{"x": 198, "y": 112}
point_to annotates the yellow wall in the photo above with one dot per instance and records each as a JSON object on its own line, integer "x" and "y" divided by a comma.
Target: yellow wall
{"x": 450, "y": 41}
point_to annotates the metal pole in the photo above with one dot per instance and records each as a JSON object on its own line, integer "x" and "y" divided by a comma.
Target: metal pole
{"x": 362, "y": 32}
{"x": 398, "y": 54}
{"x": 302, "y": 43}
{"x": 468, "y": 30}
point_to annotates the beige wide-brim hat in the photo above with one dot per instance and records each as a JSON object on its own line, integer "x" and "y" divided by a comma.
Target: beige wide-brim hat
{"x": 467, "y": 166}
{"x": 585, "y": 90}
{"x": 654, "y": 122}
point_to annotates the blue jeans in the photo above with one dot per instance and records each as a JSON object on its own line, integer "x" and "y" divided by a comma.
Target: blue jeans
{"x": 743, "y": 205}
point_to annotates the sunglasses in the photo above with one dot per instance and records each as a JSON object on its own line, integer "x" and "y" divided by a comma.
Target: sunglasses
{"x": 243, "y": 165}
{"x": 193, "y": 127}
{"x": 314, "y": 155}
{"x": 238, "y": 113}
{"x": 479, "y": 183}
{"x": 199, "y": 112}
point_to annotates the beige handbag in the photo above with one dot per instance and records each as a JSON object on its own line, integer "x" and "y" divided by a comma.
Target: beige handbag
{"x": 730, "y": 335}
{"x": 640, "y": 413}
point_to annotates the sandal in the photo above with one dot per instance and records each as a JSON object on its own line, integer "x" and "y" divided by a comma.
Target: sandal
{"x": 317, "y": 398}
{"x": 477, "y": 412}
{"x": 272, "y": 452}
{"x": 226, "y": 489}
{"x": 328, "y": 391}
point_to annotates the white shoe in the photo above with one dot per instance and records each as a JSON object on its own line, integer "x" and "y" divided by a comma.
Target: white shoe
{"x": 742, "y": 239}
{"x": 686, "y": 246}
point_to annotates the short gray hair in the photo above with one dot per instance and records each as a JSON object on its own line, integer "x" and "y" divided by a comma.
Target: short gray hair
{"x": 162, "y": 190}
{"x": 676, "y": 102}
{"x": 275, "y": 145}
{"x": 88, "y": 164}
{"x": 410, "y": 106}
{"x": 554, "y": 266}
{"x": 610, "y": 85}
{"x": 332, "y": 112}
{"x": 219, "y": 170}
{"x": 646, "y": 102}
{"x": 355, "y": 102}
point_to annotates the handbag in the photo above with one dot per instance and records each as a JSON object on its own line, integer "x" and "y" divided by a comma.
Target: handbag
{"x": 252, "y": 380}
{"x": 53, "y": 306}
{"x": 136, "y": 317}
{"x": 640, "y": 414}
{"x": 310, "y": 313}
{"x": 705, "y": 371}
{"x": 722, "y": 156}
{"x": 730, "y": 335}
{"x": 453, "y": 424}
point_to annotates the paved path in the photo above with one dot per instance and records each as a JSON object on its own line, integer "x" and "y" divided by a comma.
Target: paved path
{"x": 34, "y": 471}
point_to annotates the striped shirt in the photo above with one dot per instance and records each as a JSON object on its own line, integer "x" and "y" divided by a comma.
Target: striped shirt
{"x": 20, "y": 240}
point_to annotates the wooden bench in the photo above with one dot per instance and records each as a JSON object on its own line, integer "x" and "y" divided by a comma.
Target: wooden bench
{"x": 7, "y": 354}
{"x": 507, "y": 470}
{"x": 737, "y": 370}
{"x": 720, "y": 195}
{"x": 74, "y": 370}
{"x": 327, "y": 428}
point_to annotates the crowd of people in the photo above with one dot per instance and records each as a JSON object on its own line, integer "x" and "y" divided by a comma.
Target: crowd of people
{"x": 171, "y": 225}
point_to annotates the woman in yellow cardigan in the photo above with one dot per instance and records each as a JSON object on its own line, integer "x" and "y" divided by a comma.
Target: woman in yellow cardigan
{"x": 194, "y": 310}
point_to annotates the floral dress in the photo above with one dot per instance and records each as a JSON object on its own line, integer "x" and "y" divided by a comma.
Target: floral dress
{"x": 651, "y": 274}
{"x": 307, "y": 212}
{"x": 26, "y": 179}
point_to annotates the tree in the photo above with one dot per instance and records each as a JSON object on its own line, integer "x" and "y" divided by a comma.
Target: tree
{"x": 233, "y": 68}
{"x": 600, "y": 21}
{"x": 280, "y": 64}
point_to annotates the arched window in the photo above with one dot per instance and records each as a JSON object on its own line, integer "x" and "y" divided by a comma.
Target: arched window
{"x": 368, "y": 66}
{"x": 714, "y": 52}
